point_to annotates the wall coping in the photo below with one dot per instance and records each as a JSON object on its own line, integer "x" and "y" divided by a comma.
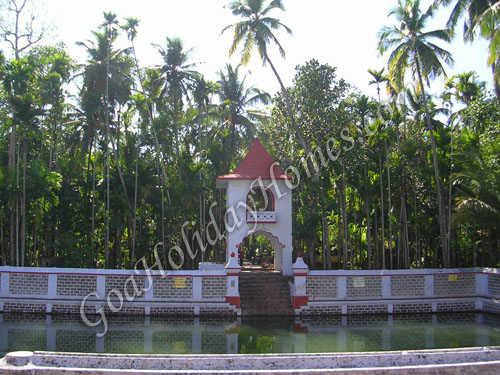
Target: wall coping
{"x": 213, "y": 273}
{"x": 414, "y": 272}
{"x": 109, "y": 272}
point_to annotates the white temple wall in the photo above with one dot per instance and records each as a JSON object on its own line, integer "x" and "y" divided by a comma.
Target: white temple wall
{"x": 238, "y": 228}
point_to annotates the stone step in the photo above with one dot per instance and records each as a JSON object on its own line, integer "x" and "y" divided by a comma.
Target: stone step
{"x": 265, "y": 293}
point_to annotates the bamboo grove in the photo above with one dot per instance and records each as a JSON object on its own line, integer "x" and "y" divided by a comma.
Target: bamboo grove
{"x": 103, "y": 159}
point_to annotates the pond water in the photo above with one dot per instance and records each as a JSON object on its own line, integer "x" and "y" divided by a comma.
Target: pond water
{"x": 249, "y": 335}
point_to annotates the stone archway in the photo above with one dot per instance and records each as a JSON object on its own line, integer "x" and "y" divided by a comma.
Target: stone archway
{"x": 279, "y": 248}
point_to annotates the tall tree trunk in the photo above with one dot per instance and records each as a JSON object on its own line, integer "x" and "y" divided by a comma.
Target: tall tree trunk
{"x": 108, "y": 138}
{"x": 160, "y": 159}
{"x": 18, "y": 263}
{"x": 53, "y": 146}
{"x": 134, "y": 223}
{"x": 35, "y": 243}
{"x": 92, "y": 238}
{"x": 91, "y": 199}
{"x": 160, "y": 156}
{"x": 345, "y": 225}
{"x": 118, "y": 248}
{"x": 450, "y": 191}
{"x": 368, "y": 226}
{"x": 2, "y": 263}
{"x": 474, "y": 249}
{"x": 417, "y": 239}
{"x": 496, "y": 79}
{"x": 177, "y": 109}
{"x": 326, "y": 247}
{"x": 202, "y": 196}
{"x": 382, "y": 218}
{"x": 339, "y": 240}
{"x": 491, "y": 254}
{"x": 23, "y": 204}
{"x": 326, "y": 243}
{"x": 12, "y": 202}
{"x": 162, "y": 216}
{"x": 356, "y": 240}
{"x": 377, "y": 249}
{"x": 404, "y": 232}
{"x": 134, "y": 218}
{"x": 389, "y": 194}
{"x": 117, "y": 161}
{"x": 311, "y": 252}
{"x": 442, "y": 219}
{"x": 106, "y": 240}
{"x": 233, "y": 134}
{"x": 404, "y": 221}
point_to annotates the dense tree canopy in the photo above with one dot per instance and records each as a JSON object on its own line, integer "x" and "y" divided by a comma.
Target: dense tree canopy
{"x": 98, "y": 179}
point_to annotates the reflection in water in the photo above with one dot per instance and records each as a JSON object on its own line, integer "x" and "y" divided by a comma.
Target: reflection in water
{"x": 249, "y": 335}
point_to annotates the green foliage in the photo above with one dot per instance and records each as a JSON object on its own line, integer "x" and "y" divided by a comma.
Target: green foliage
{"x": 172, "y": 132}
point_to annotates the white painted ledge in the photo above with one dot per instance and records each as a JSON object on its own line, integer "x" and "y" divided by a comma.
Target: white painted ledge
{"x": 485, "y": 361}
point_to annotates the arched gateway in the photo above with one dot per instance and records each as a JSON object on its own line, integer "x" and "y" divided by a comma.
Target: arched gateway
{"x": 259, "y": 201}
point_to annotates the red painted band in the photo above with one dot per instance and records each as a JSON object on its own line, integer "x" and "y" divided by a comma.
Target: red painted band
{"x": 234, "y": 301}
{"x": 299, "y": 301}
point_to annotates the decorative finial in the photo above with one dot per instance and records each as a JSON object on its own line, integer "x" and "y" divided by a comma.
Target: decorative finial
{"x": 299, "y": 254}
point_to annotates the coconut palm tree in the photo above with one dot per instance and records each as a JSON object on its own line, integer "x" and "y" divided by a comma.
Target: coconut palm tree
{"x": 130, "y": 28}
{"x": 482, "y": 18}
{"x": 235, "y": 98}
{"x": 179, "y": 74}
{"x": 466, "y": 87}
{"x": 378, "y": 78}
{"x": 256, "y": 30}
{"x": 106, "y": 84}
{"x": 411, "y": 48}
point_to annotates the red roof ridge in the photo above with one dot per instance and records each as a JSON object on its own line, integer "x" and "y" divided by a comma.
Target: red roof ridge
{"x": 257, "y": 163}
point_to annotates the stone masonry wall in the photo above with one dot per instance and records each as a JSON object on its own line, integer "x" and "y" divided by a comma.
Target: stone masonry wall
{"x": 59, "y": 308}
{"x": 213, "y": 287}
{"x": 24, "y": 307}
{"x": 455, "y": 285}
{"x": 494, "y": 285}
{"x": 322, "y": 310}
{"x": 366, "y": 309}
{"x": 76, "y": 285}
{"x": 408, "y": 286}
{"x": 118, "y": 283}
{"x": 321, "y": 287}
{"x": 29, "y": 283}
{"x": 456, "y": 306}
{"x": 359, "y": 287}
{"x": 411, "y": 308}
{"x": 216, "y": 311}
{"x": 168, "y": 288}
{"x": 172, "y": 310}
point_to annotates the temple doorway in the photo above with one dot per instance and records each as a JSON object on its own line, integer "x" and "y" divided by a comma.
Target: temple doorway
{"x": 257, "y": 252}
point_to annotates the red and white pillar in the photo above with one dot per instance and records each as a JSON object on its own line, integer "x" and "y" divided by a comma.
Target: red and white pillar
{"x": 233, "y": 271}
{"x": 300, "y": 270}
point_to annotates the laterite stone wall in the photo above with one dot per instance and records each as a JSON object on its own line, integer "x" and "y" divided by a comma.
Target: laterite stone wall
{"x": 29, "y": 284}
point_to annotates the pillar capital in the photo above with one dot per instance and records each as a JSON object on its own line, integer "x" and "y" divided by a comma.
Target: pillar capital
{"x": 300, "y": 268}
{"x": 232, "y": 267}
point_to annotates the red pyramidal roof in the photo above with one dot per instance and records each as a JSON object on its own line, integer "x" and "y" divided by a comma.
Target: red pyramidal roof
{"x": 256, "y": 164}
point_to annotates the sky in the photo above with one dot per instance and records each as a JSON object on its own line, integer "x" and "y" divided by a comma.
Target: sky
{"x": 340, "y": 33}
